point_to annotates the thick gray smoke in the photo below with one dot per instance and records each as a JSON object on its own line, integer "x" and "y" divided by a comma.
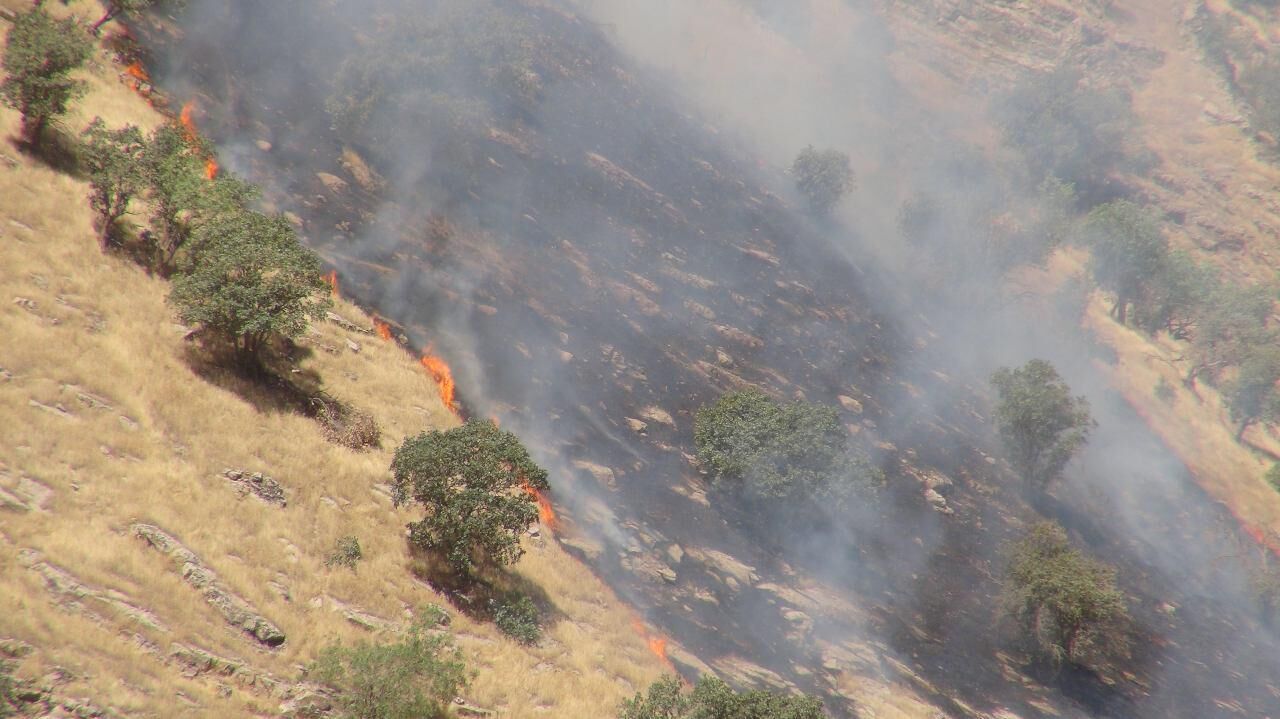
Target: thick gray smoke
{"x": 583, "y": 206}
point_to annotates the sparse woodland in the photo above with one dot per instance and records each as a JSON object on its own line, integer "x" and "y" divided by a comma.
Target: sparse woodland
{"x": 198, "y": 324}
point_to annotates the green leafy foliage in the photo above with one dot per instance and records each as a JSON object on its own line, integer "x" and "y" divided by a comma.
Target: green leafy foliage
{"x": 8, "y": 689}
{"x": 346, "y": 553}
{"x": 711, "y": 698}
{"x": 474, "y": 482}
{"x": 1228, "y": 325}
{"x": 1040, "y": 423}
{"x": 1273, "y": 476}
{"x": 767, "y": 450}
{"x": 39, "y": 58}
{"x": 113, "y": 161}
{"x": 1067, "y": 128}
{"x": 249, "y": 280}
{"x": 1065, "y": 602}
{"x": 1128, "y": 251}
{"x": 414, "y": 678}
{"x": 517, "y": 617}
{"x": 824, "y": 177}
{"x": 1251, "y": 397}
{"x": 182, "y": 197}
{"x": 1174, "y": 295}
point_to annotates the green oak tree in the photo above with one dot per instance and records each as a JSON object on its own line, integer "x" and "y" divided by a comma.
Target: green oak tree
{"x": 1065, "y": 602}
{"x": 711, "y": 698}
{"x": 1040, "y": 423}
{"x": 824, "y": 177}
{"x": 416, "y": 677}
{"x": 767, "y": 450}
{"x": 1128, "y": 251}
{"x": 249, "y": 280}
{"x": 40, "y": 55}
{"x": 113, "y": 161}
{"x": 476, "y": 484}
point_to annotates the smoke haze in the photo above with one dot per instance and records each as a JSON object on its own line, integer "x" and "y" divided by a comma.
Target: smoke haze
{"x": 601, "y": 237}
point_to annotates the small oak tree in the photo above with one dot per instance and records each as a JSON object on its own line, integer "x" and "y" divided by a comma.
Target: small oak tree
{"x": 1228, "y": 325}
{"x": 250, "y": 279}
{"x": 113, "y": 161}
{"x": 1128, "y": 251}
{"x": 416, "y": 677}
{"x": 1040, "y": 424}
{"x": 182, "y": 195}
{"x": 1066, "y": 602}
{"x": 1251, "y": 396}
{"x": 39, "y": 58}
{"x": 823, "y": 176}
{"x": 711, "y": 698}
{"x": 477, "y": 484}
{"x": 768, "y": 450}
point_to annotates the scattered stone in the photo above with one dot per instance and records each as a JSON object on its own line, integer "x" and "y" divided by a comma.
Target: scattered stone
{"x": 263, "y": 145}
{"x": 724, "y": 359}
{"x": 235, "y": 610}
{"x": 332, "y": 183}
{"x": 306, "y": 701}
{"x": 465, "y": 708}
{"x": 676, "y": 553}
{"x": 850, "y": 404}
{"x": 602, "y": 474}
{"x": 26, "y": 303}
{"x": 353, "y": 346}
{"x": 938, "y": 501}
{"x": 79, "y": 597}
{"x": 638, "y": 426}
{"x": 347, "y": 324}
{"x": 92, "y": 401}
{"x": 261, "y": 486}
{"x": 197, "y": 662}
{"x": 5, "y": 375}
{"x": 57, "y": 409}
{"x": 659, "y": 415}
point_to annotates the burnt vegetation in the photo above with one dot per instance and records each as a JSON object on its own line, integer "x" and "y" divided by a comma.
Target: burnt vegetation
{"x": 601, "y": 249}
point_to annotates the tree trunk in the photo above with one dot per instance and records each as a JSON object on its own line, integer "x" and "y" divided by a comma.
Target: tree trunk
{"x": 1121, "y": 310}
{"x": 1244, "y": 425}
{"x": 108, "y": 16}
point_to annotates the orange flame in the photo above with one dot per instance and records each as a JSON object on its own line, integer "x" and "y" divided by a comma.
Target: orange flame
{"x": 137, "y": 72}
{"x": 210, "y": 168}
{"x": 332, "y": 279}
{"x": 656, "y": 642}
{"x": 383, "y": 329}
{"x": 443, "y": 377}
{"x": 546, "y": 513}
{"x": 188, "y": 123}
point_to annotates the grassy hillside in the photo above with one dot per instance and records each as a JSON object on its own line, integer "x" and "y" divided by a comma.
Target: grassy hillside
{"x": 109, "y": 420}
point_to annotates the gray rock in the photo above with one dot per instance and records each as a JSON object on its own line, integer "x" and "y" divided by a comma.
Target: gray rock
{"x": 236, "y": 611}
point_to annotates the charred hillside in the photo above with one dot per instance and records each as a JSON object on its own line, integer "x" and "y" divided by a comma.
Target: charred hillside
{"x": 596, "y": 261}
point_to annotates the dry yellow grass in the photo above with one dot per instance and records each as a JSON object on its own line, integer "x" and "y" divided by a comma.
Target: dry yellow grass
{"x": 98, "y": 324}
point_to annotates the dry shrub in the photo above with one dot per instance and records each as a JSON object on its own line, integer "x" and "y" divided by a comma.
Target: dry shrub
{"x": 345, "y": 425}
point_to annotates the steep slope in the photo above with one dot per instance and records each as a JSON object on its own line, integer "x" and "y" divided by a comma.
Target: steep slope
{"x": 600, "y": 262}
{"x": 110, "y": 420}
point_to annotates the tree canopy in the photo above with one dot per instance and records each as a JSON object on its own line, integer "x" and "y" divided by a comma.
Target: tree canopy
{"x": 824, "y": 177}
{"x": 711, "y": 698}
{"x": 476, "y": 484}
{"x": 416, "y": 677}
{"x": 1067, "y": 128}
{"x": 768, "y": 450}
{"x": 1040, "y": 423}
{"x": 1066, "y": 602}
{"x": 113, "y": 161}
{"x": 248, "y": 280}
{"x": 1128, "y": 251}
{"x": 39, "y": 58}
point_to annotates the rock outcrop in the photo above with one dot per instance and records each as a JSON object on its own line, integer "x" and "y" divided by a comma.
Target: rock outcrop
{"x": 235, "y": 610}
